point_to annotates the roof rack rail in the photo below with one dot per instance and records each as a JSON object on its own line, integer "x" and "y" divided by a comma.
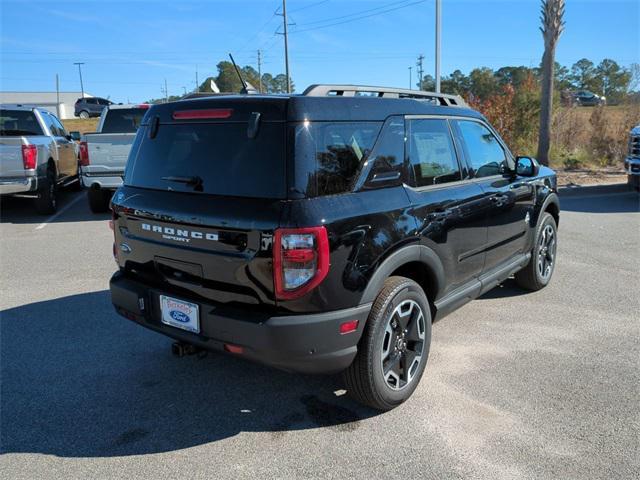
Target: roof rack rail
{"x": 443, "y": 99}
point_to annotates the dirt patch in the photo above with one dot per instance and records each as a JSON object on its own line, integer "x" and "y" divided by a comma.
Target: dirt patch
{"x": 567, "y": 178}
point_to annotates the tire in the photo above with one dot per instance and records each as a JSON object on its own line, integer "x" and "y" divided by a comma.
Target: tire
{"x": 77, "y": 186}
{"x": 538, "y": 272}
{"x": 99, "y": 200}
{"x": 385, "y": 345}
{"x": 84, "y": 114}
{"x": 46, "y": 201}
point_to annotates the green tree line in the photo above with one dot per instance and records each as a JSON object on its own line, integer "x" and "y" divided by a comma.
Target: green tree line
{"x": 607, "y": 78}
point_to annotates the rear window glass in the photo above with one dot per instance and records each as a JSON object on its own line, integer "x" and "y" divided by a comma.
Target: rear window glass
{"x": 19, "y": 122}
{"x": 213, "y": 158}
{"x": 123, "y": 120}
{"x": 329, "y": 155}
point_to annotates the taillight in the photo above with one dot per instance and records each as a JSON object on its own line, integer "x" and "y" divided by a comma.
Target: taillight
{"x": 84, "y": 154}
{"x": 29, "y": 156}
{"x": 300, "y": 260}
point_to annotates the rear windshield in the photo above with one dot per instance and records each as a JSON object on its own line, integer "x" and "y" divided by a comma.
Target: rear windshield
{"x": 123, "y": 120}
{"x": 19, "y": 122}
{"x": 213, "y": 158}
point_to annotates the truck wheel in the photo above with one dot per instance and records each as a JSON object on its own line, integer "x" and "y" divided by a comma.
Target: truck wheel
{"x": 84, "y": 114}
{"x": 394, "y": 348}
{"x": 99, "y": 200}
{"x": 46, "y": 201}
{"x": 538, "y": 272}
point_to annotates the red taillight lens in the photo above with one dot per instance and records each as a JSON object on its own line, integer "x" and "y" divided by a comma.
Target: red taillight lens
{"x": 144, "y": 106}
{"x": 300, "y": 260}
{"x": 84, "y": 154}
{"x": 29, "y": 156}
{"x": 202, "y": 114}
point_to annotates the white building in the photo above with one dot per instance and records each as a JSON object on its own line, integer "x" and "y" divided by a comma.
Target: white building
{"x": 46, "y": 100}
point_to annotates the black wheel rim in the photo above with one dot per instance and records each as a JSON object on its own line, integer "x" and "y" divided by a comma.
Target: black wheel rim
{"x": 546, "y": 252}
{"x": 403, "y": 345}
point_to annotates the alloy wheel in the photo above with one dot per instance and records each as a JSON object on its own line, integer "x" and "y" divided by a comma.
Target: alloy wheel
{"x": 403, "y": 345}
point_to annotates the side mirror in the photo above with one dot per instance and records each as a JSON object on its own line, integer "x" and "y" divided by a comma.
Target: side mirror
{"x": 75, "y": 136}
{"x": 527, "y": 167}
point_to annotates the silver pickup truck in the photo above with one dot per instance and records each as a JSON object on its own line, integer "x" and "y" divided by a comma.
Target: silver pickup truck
{"x": 103, "y": 154}
{"x": 37, "y": 155}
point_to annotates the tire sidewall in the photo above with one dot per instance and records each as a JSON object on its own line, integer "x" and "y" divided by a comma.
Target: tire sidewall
{"x": 407, "y": 291}
{"x": 546, "y": 220}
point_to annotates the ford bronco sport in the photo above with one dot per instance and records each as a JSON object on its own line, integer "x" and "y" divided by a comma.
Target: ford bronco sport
{"x": 324, "y": 232}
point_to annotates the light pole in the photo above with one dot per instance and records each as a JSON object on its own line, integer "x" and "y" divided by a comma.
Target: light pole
{"x": 410, "y": 81}
{"x": 438, "y": 24}
{"x": 80, "y": 72}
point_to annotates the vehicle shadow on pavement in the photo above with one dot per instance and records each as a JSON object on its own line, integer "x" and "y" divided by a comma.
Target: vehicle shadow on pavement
{"x": 624, "y": 201}
{"x": 16, "y": 210}
{"x": 508, "y": 288}
{"x": 79, "y": 381}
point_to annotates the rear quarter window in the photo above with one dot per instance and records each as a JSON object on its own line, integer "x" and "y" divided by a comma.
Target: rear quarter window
{"x": 123, "y": 120}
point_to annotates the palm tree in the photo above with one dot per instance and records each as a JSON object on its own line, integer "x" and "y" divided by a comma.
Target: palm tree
{"x": 552, "y": 12}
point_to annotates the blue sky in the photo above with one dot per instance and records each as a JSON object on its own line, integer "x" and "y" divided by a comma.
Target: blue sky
{"x": 130, "y": 48}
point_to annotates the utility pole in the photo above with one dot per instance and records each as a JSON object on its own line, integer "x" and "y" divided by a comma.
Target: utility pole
{"x": 57, "y": 95}
{"x": 410, "y": 82}
{"x": 166, "y": 93}
{"x": 184, "y": 89}
{"x": 286, "y": 45}
{"x": 420, "y": 70}
{"x": 197, "y": 83}
{"x": 80, "y": 72}
{"x": 438, "y": 25}
{"x": 259, "y": 71}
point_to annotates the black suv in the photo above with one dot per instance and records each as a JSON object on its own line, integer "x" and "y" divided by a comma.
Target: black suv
{"x": 324, "y": 232}
{"x": 90, "y": 106}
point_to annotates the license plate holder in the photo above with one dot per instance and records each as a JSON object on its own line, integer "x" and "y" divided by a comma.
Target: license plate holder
{"x": 180, "y": 314}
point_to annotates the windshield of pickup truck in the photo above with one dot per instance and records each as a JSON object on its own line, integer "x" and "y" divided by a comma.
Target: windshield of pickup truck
{"x": 15, "y": 123}
{"x": 213, "y": 158}
{"x": 123, "y": 120}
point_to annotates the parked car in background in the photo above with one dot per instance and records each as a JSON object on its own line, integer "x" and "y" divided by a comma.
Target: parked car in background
{"x": 37, "y": 155}
{"x": 632, "y": 162}
{"x": 90, "y": 106}
{"x": 584, "y": 98}
{"x": 103, "y": 155}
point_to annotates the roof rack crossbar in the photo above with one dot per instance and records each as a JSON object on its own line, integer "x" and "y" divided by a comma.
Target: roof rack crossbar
{"x": 443, "y": 99}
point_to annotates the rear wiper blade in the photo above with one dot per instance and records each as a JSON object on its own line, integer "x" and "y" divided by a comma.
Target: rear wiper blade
{"x": 195, "y": 181}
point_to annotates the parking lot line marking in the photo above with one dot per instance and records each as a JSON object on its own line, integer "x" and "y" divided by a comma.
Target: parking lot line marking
{"x": 59, "y": 212}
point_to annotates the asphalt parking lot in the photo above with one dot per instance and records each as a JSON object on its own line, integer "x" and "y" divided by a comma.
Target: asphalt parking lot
{"x": 518, "y": 385}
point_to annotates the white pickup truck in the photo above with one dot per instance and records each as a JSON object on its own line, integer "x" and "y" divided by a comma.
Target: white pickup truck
{"x": 103, "y": 154}
{"x": 37, "y": 155}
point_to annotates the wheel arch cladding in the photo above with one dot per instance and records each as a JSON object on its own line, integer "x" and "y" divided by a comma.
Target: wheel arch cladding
{"x": 551, "y": 205}
{"x": 417, "y": 262}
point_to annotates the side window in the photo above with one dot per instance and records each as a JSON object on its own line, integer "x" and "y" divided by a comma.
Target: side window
{"x": 384, "y": 166}
{"x": 431, "y": 152}
{"x": 61, "y": 131}
{"x": 484, "y": 152}
{"x": 48, "y": 121}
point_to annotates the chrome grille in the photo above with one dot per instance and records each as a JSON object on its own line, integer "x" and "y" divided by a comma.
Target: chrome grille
{"x": 634, "y": 146}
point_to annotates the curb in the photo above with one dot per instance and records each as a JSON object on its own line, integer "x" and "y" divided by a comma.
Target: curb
{"x": 597, "y": 189}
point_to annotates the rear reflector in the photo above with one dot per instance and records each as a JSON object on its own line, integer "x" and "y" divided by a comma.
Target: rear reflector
{"x": 233, "y": 348}
{"x": 202, "y": 114}
{"x": 348, "y": 327}
{"x": 84, "y": 154}
{"x": 29, "y": 156}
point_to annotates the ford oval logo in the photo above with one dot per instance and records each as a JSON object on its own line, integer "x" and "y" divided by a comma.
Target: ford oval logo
{"x": 179, "y": 316}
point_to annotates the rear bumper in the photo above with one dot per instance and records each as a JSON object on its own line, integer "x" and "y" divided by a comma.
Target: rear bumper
{"x": 301, "y": 343}
{"x": 18, "y": 185}
{"x": 110, "y": 182}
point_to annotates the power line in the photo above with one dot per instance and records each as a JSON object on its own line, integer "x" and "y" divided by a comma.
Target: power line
{"x": 308, "y": 6}
{"x": 358, "y": 16}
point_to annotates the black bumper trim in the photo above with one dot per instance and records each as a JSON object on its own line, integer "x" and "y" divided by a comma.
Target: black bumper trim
{"x": 301, "y": 343}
